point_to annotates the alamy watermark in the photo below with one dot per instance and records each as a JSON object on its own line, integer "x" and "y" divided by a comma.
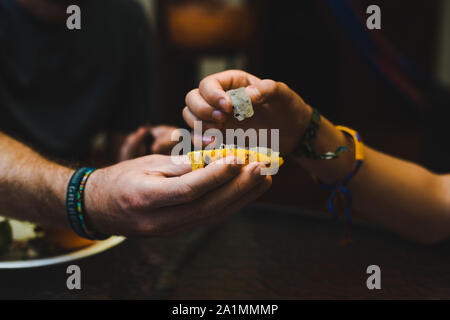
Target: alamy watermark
{"x": 73, "y": 22}
{"x": 251, "y": 139}
{"x": 374, "y": 20}
{"x": 73, "y": 281}
{"x": 374, "y": 280}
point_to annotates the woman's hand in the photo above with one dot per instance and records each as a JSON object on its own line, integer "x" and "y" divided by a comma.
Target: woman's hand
{"x": 159, "y": 195}
{"x": 276, "y": 106}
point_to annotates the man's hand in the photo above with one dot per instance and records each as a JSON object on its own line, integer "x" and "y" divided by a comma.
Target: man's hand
{"x": 153, "y": 196}
{"x": 148, "y": 196}
{"x": 147, "y": 140}
{"x": 276, "y": 106}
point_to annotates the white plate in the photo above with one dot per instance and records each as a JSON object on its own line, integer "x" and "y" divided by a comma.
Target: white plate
{"x": 75, "y": 255}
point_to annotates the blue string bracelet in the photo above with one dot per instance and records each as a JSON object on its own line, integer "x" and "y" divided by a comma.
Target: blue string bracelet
{"x": 75, "y": 205}
{"x": 340, "y": 188}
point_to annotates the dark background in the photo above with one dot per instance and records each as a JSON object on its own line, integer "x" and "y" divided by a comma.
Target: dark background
{"x": 268, "y": 252}
{"x": 303, "y": 44}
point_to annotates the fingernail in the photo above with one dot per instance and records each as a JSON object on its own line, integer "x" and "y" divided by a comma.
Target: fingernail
{"x": 218, "y": 116}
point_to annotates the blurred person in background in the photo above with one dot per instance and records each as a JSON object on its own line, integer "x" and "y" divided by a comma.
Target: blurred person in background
{"x": 60, "y": 88}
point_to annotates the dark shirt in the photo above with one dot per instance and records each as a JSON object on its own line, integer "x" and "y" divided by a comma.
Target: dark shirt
{"x": 60, "y": 87}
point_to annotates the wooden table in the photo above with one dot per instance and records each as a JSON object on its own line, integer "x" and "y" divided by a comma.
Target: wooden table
{"x": 264, "y": 252}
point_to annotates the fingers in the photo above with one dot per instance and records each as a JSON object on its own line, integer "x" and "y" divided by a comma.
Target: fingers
{"x": 163, "y": 143}
{"x": 190, "y": 119}
{"x": 244, "y": 200}
{"x": 262, "y": 91}
{"x": 215, "y": 205}
{"x": 135, "y": 138}
{"x": 168, "y": 166}
{"x": 213, "y": 88}
{"x": 271, "y": 91}
{"x": 163, "y": 147}
{"x": 218, "y": 215}
{"x": 228, "y": 195}
{"x": 200, "y": 182}
{"x": 201, "y": 109}
{"x": 193, "y": 185}
{"x": 133, "y": 143}
{"x": 210, "y": 102}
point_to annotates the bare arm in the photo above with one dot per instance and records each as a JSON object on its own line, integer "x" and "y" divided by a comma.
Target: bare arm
{"x": 395, "y": 194}
{"x": 148, "y": 196}
{"x": 31, "y": 187}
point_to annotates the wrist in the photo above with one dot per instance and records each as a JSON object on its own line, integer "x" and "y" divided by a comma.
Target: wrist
{"x": 55, "y": 179}
{"x": 330, "y": 171}
{"x": 302, "y": 119}
{"x": 305, "y": 117}
{"x": 343, "y": 165}
{"x": 95, "y": 204}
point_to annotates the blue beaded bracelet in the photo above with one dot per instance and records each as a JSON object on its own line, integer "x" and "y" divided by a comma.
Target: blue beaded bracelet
{"x": 75, "y": 205}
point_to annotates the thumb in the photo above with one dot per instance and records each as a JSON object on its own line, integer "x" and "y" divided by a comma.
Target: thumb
{"x": 267, "y": 90}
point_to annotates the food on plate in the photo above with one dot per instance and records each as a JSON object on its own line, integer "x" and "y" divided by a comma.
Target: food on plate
{"x": 242, "y": 104}
{"x": 24, "y": 241}
{"x": 17, "y": 240}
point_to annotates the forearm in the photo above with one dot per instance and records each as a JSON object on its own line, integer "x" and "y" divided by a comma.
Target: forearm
{"x": 402, "y": 197}
{"x": 31, "y": 187}
{"x": 395, "y": 194}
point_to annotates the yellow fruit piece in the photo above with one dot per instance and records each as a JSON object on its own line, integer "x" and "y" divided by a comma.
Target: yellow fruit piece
{"x": 200, "y": 159}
